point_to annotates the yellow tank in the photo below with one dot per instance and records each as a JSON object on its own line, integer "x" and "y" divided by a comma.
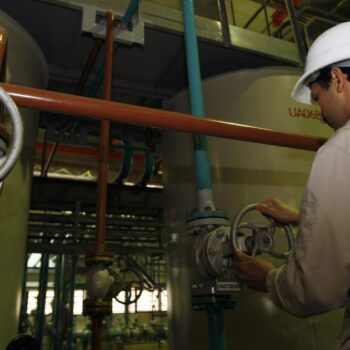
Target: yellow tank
{"x": 25, "y": 66}
{"x": 242, "y": 173}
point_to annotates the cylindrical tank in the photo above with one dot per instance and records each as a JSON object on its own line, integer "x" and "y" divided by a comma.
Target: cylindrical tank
{"x": 25, "y": 66}
{"x": 243, "y": 173}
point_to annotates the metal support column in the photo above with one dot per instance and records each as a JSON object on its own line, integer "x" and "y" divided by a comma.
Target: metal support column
{"x": 225, "y": 28}
{"x": 296, "y": 32}
{"x": 73, "y": 278}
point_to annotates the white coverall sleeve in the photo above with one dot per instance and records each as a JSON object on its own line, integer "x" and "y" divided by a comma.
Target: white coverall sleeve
{"x": 316, "y": 278}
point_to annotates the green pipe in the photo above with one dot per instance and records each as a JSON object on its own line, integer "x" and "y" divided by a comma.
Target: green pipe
{"x": 56, "y": 312}
{"x": 40, "y": 316}
{"x": 126, "y": 314}
{"x": 127, "y": 160}
{"x": 149, "y": 168}
{"x": 72, "y": 278}
{"x": 70, "y": 318}
{"x": 24, "y": 297}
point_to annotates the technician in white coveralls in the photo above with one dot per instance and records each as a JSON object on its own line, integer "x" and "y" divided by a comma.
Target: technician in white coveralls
{"x": 316, "y": 278}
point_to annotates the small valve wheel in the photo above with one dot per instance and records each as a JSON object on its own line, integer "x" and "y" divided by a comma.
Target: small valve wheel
{"x": 259, "y": 238}
{"x": 132, "y": 286}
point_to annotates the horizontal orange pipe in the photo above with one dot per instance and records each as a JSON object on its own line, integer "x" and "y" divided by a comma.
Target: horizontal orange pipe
{"x": 130, "y": 114}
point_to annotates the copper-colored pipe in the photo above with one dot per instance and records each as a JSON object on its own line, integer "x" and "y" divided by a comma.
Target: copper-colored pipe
{"x": 130, "y": 114}
{"x": 96, "y": 332}
{"x": 104, "y": 140}
{"x": 3, "y": 53}
{"x": 89, "y": 64}
{"x": 84, "y": 75}
{"x": 96, "y": 319}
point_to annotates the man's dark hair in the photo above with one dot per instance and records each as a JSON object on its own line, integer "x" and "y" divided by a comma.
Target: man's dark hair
{"x": 325, "y": 76}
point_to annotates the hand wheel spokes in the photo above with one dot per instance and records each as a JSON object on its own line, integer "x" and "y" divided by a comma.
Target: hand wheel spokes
{"x": 259, "y": 238}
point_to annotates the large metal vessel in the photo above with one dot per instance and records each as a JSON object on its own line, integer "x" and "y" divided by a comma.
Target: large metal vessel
{"x": 25, "y": 66}
{"x": 243, "y": 173}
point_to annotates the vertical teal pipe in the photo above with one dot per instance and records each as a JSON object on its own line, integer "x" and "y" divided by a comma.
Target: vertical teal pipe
{"x": 72, "y": 278}
{"x": 216, "y": 327}
{"x": 70, "y": 311}
{"x": 24, "y": 298}
{"x": 215, "y": 314}
{"x": 56, "y": 312}
{"x": 126, "y": 314}
{"x": 130, "y": 11}
{"x": 196, "y": 96}
{"x": 40, "y": 316}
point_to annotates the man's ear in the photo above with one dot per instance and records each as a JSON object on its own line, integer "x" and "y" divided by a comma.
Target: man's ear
{"x": 339, "y": 78}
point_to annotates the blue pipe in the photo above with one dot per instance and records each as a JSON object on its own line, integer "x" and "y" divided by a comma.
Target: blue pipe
{"x": 196, "y": 95}
{"x": 215, "y": 326}
{"x": 131, "y": 10}
{"x": 214, "y": 312}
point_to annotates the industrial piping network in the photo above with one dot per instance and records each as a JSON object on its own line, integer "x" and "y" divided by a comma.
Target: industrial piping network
{"x": 113, "y": 111}
{"x": 104, "y": 109}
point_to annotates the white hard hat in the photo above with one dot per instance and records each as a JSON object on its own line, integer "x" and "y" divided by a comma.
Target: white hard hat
{"x": 330, "y": 48}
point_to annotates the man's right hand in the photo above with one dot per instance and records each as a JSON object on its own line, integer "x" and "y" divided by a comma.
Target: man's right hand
{"x": 279, "y": 211}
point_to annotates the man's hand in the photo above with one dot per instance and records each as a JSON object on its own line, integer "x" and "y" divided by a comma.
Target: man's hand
{"x": 252, "y": 271}
{"x": 279, "y": 211}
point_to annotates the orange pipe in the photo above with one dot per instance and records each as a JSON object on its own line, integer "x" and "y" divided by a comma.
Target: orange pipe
{"x": 89, "y": 64}
{"x": 104, "y": 140}
{"x": 3, "y": 53}
{"x": 96, "y": 332}
{"x": 130, "y": 114}
{"x": 96, "y": 319}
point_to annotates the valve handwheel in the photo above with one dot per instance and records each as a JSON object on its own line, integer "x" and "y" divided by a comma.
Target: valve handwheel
{"x": 132, "y": 283}
{"x": 9, "y": 158}
{"x": 259, "y": 238}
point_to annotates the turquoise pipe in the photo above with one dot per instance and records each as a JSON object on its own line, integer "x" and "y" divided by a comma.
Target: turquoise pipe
{"x": 126, "y": 314}
{"x": 149, "y": 169}
{"x": 204, "y": 185}
{"x": 131, "y": 10}
{"x": 57, "y": 308}
{"x": 196, "y": 95}
{"x": 127, "y": 160}
{"x": 71, "y": 289}
{"x": 215, "y": 326}
{"x": 24, "y": 298}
